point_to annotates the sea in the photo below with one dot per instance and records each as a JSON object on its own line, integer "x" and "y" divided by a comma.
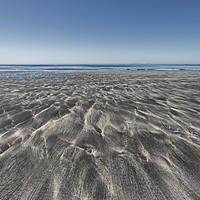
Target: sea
{"x": 38, "y": 71}
{"x": 100, "y": 67}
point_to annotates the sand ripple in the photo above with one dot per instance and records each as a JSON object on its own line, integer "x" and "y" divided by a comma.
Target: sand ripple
{"x": 104, "y": 135}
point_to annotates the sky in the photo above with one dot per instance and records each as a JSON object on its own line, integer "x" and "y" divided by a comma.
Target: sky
{"x": 99, "y": 31}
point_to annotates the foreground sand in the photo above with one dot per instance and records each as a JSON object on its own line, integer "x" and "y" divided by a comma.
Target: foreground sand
{"x": 100, "y": 135}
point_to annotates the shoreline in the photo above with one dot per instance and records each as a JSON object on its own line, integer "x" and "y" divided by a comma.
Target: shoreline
{"x": 100, "y": 69}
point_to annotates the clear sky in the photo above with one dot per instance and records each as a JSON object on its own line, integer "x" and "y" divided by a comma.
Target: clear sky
{"x": 99, "y": 31}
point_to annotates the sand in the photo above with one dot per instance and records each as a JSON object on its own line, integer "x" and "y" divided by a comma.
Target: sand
{"x": 100, "y": 135}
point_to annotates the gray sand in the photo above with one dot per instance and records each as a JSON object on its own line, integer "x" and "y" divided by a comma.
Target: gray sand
{"x": 101, "y": 135}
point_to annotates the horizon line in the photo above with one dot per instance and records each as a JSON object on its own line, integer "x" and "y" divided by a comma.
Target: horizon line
{"x": 106, "y": 64}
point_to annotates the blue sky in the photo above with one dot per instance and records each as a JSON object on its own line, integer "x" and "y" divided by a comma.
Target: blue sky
{"x": 99, "y": 31}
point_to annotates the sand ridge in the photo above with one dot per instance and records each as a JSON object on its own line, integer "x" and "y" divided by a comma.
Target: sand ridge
{"x": 100, "y": 135}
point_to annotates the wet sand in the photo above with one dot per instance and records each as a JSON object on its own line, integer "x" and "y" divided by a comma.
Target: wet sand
{"x": 101, "y": 135}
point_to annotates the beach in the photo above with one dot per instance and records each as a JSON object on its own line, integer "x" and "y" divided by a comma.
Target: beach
{"x": 120, "y": 135}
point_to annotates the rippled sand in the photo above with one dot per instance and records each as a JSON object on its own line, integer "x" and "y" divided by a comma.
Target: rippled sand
{"x": 101, "y": 135}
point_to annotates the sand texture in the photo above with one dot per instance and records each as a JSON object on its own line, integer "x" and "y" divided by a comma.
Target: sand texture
{"x": 100, "y": 135}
